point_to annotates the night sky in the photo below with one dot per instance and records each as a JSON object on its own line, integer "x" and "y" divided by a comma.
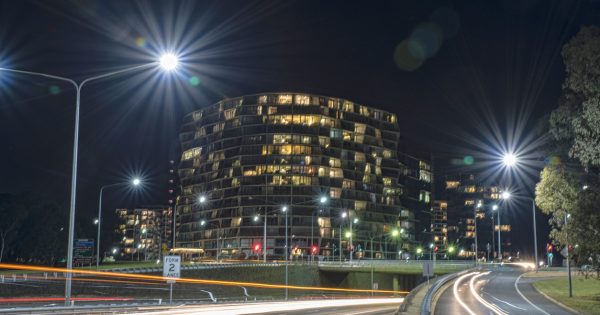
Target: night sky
{"x": 487, "y": 66}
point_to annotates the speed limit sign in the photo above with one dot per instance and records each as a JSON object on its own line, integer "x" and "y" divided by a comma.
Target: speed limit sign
{"x": 172, "y": 266}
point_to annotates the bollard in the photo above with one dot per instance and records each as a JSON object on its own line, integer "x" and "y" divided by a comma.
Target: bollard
{"x": 2, "y": 278}
{"x": 45, "y": 276}
{"x": 55, "y": 275}
{"x": 24, "y": 276}
{"x": 159, "y": 301}
{"x": 14, "y": 277}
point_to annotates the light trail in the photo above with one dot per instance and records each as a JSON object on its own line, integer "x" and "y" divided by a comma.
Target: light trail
{"x": 497, "y": 310}
{"x": 191, "y": 280}
{"x": 271, "y": 307}
{"x": 456, "y": 295}
{"x": 95, "y": 280}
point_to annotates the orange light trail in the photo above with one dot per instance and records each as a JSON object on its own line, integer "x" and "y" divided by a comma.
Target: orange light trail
{"x": 95, "y": 280}
{"x": 190, "y": 280}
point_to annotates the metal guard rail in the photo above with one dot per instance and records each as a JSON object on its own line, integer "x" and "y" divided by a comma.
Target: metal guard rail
{"x": 426, "y": 306}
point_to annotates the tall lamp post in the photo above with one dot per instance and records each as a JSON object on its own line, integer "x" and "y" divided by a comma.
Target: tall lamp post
{"x": 284, "y": 210}
{"x": 135, "y": 182}
{"x": 167, "y": 62}
{"x": 203, "y": 223}
{"x": 510, "y": 160}
{"x": 495, "y": 208}
{"x": 568, "y": 216}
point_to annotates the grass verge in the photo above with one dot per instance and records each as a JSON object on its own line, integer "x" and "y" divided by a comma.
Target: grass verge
{"x": 586, "y": 293}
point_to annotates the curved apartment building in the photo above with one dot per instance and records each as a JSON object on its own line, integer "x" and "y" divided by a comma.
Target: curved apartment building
{"x": 331, "y": 163}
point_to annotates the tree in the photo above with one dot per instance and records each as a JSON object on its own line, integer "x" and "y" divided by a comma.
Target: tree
{"x": 575, "y": 133}
{"x": 12, "y": 213}
{"x": 576, "y": 121}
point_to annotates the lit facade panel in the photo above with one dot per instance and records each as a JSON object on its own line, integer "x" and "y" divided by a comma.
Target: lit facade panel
{"x": 253, "y": 154}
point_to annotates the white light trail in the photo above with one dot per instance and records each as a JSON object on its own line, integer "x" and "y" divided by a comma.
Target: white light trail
{"x": 456, "y": 295}
{"x": 494, "y": 308}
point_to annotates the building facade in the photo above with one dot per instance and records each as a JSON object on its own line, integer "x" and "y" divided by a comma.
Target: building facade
{"x": 331, "y": 163}
{"x": 417, "y": 183}
{"x": 144, "y": 232}
{"x": 470, "y": 199}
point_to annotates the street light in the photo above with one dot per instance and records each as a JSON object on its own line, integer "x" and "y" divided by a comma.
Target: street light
{"x": 135, "y": 182}
{"x": 510, "y": 160}
{"x": 168, "y": 62}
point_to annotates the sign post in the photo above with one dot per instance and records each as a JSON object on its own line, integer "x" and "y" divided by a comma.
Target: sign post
{"x": 428, "y": 269}
{"x": 83, "y": 251}
{"x": 171, "y": 269}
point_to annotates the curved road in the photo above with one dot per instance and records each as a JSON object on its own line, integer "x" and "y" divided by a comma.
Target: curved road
{"x": 500, "y": 291}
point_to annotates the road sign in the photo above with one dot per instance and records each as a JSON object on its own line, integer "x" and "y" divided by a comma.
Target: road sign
{"x": 172, "y": 266}
{"x": 428, "y": 268}
{"x": 83, "y": 251}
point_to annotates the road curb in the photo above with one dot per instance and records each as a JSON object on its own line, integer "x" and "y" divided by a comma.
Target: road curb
{"x": 555, "y": 301}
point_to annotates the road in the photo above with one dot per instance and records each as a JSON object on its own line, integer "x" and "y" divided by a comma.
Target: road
{"x": 500, "y": 291}
{"x": 375, "y": 306}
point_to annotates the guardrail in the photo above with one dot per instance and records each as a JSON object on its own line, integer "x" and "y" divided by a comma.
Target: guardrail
{"x": 426, "y": 306}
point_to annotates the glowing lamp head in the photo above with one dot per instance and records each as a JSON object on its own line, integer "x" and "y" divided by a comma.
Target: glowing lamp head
{"x": 284, "y": 208}
{"x": 136, "y": 181}
{"x": 344, "y": 214}
{"x": 348, "y": 234}
{"x": 495, "y": 207}
{"x": 202, "y": 199}
{"x": 323, "y": 199}
{"x": 255, "y": 218}
{"x": 203, "y": 222}
{"x": 169, "y": 62}
{"x": 395, "y": 233}
{"x": 505, "y": 195}
{"x": 355, "y": 220}
{"x": 509, "y": 159}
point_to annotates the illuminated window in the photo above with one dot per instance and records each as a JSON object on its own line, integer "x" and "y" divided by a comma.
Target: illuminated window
{"x": 452, "y": 184}
{"x": 235, "y": 222}
{"x": 387, "y": 181}
{"x": 364, "y": 111}
{"x": 229, "y": 114}
{"x": 333, "y": 103}
{"x": 323, "y": 171}
{"x": 359, "y": 157}
{"x": 480, "y": 215}
{"x": 425, "y": 176}
{"x": 335, "y": 193}
{"x": 263, "y": 99}
{"x": 360, "y": 205}
{"x": 301, "y": 180}
{"x": 347, "y": 135}
{"x": 336, "y": 173}
{"x": 360, "y": 128}
{"x": 348, "y": 106}
{"x": 302, "y": 99}
{"x": 335, "y": 162}
{"x": 335, "y": 133}
{"x": 218, "y": 127}
{"x": 197, "y": 116}
{"x": 307, "y": 160}
{"x": 324, "y": 142}
{"x": 282, "y": 139}
{"x": 503, "y": 227}
{"x": 470, "y": 189}
{"x": 235, "y": 182}
{"x": 348, "y": 184}
{"x": 284, "y": 99}
{"x": 387, "y": 154}
{"x": 425, "y": 196}
{"x": 272, "y": 110}
{"x": 469, "y": 202}
{"x": 191, "y": 153}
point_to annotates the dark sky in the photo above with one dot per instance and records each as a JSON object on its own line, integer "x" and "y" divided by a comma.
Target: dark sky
{"x": 488, "y": 63}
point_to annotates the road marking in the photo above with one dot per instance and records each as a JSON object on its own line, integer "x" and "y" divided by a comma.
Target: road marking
{"x": 499, "y": 300}
{"x": 457, "y": 297}
{"x": 494, "y": 308}
{"x": 526, "y": 299}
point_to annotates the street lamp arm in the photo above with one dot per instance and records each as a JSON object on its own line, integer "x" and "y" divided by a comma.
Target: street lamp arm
{"x": 110, "y": 74}
{"x": 43, "y": 75}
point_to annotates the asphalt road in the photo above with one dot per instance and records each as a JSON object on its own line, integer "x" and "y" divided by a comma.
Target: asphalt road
{"x": 500, "y": 291}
